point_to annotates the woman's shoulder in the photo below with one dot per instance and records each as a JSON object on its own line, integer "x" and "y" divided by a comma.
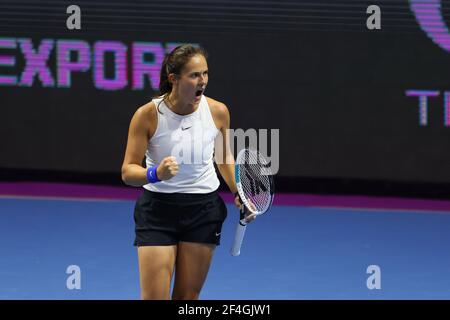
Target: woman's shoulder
{"x": 146, "y": 117}
{"x": 147, "y": 111}
{"x": 217, "y": 108}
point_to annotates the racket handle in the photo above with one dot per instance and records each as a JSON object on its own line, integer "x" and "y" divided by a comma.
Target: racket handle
{"x": 238, "y": 238}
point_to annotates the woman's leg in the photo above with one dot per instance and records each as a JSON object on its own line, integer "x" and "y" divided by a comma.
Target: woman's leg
{"x": 156, "y": 265}
{"x": 192, "y": 265}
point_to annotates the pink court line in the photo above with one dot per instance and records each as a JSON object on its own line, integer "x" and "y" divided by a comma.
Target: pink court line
{"x": 16, "y": 197}
{"x": 85, "y": 192}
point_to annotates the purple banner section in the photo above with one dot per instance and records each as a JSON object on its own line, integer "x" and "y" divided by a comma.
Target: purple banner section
{"x": 143, "y": 68}
{"x": 65, "y": 64}
{"x": 36, "y": 63}
{"x": 120, "y": 53}
{"x": 7, "y": 61}
{"x": 80, "y": 191}
{"x": 429, "y": 15}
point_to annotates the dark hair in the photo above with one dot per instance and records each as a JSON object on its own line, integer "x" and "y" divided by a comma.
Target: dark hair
{"x": 174, "y": 63}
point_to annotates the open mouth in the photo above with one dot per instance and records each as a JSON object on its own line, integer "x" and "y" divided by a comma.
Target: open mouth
{"x": 198, "y": 93}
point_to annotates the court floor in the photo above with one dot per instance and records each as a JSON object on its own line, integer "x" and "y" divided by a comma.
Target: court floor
{"x": 293, "y": 252}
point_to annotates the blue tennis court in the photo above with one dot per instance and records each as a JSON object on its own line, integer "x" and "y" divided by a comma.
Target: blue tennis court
{"x": 293, "y": 252}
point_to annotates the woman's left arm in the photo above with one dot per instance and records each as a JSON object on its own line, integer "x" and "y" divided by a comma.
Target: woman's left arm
{"x": 224, "y": 156}
{"x": 222, "y": 151}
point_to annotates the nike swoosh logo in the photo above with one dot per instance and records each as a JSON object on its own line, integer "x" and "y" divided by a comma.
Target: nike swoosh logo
{"x": 185, "y": 128}
{"x": 218, "y": 234}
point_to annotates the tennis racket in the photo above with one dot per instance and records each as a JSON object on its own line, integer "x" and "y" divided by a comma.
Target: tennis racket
{"x": 254, "y": 181}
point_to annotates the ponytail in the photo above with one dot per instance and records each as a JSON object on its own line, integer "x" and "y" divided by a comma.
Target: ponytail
{"x": 164, "y": 84}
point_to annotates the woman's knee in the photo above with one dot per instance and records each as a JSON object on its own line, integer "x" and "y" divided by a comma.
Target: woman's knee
{"x": 185, "y": 295}
{"x": 147, "y": 294}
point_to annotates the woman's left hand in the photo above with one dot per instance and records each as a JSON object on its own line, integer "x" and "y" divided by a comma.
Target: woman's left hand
{"x": 249, "y": 216}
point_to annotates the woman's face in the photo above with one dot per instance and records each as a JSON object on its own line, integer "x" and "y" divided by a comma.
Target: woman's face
{"x": 193, "y": 79}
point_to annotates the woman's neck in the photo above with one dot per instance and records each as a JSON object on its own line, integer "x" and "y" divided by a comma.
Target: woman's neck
{"x": 178, "y": 106}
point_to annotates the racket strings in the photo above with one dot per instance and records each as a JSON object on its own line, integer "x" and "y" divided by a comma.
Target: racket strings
{"x": 255, "y": 180}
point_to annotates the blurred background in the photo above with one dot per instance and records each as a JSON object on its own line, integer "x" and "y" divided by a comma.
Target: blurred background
{"x": 336, "y": 90}
{"x": 360, "y": 112}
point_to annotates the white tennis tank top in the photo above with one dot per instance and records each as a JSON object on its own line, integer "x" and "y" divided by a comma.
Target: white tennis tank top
{"x": 190, "y": 139}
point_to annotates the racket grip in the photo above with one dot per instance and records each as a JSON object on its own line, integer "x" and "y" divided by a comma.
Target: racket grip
{"x": 238, "y": 238}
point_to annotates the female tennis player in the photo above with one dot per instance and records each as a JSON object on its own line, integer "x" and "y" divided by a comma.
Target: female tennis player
{"x": 179, "y": 215}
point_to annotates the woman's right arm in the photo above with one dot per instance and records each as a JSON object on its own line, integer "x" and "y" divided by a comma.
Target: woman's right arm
{"x": 142, "y": 127}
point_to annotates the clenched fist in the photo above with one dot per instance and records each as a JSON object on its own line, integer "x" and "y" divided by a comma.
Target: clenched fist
{"x": 167, "y": 168}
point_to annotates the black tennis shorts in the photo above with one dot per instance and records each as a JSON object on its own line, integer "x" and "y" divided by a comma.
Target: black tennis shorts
{"x": 167, "y": 218}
